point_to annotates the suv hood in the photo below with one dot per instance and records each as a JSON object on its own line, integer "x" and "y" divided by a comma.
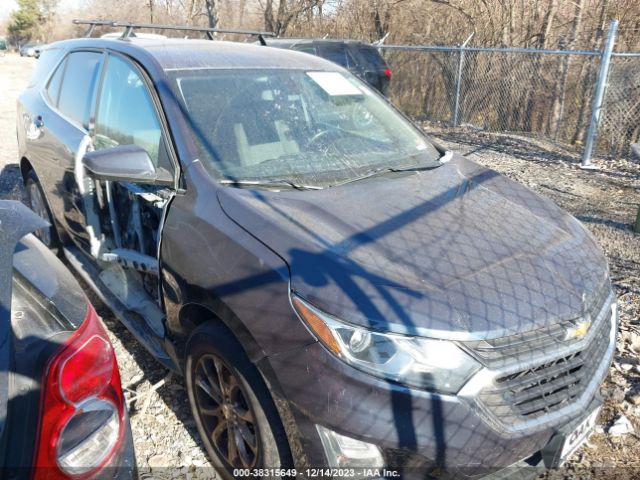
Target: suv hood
{"x": 459, "y": 252}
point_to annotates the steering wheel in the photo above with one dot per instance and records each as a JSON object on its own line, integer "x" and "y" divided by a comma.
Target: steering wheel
{"x": 323, "y": 136}
{"x": 361, "y": 117}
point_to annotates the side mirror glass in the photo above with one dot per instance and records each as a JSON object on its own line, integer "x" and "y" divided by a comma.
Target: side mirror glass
{"x": 125, "y": 163}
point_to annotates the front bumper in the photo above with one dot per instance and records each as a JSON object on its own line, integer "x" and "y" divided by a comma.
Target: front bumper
{"x": 417, "y": 431}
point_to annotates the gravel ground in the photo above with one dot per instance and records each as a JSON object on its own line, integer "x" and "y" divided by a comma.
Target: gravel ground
{"x": 606, "y": 201}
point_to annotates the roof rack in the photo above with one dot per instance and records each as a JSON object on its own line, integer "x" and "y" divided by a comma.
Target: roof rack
{"x": 129, "y": 27}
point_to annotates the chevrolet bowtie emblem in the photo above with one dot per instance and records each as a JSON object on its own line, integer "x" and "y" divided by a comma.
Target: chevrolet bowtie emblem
{"x": 579, "y": 330}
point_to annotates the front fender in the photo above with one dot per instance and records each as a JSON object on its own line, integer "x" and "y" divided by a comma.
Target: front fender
{"x": 210, "y": 261}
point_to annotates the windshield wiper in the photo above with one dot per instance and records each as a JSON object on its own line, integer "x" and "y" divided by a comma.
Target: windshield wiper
{"x": 446, "y": 157}
{"x": 378, "y": 172}
{"x": 271, "y": 183}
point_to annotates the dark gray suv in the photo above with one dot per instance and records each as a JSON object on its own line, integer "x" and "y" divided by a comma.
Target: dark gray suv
{"x": 360, "y": 58}
{"x": 342, "y": 294}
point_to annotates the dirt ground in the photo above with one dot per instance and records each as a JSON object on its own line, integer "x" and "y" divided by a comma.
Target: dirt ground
{"x": 606, "y": 201}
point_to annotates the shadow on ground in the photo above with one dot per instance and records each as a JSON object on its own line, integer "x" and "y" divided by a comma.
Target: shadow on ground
{"x": 11, "y": 182}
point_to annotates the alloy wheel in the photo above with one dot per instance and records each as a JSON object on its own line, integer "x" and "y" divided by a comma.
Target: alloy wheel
{"x": 225, "y": 413}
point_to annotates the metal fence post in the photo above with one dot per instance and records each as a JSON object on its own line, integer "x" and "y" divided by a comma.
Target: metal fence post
{"x": 605, "y": 62}
{"x": 459, "y": 80}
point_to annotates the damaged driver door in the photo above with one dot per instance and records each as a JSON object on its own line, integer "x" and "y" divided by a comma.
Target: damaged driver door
{"x": 124, "y": 170}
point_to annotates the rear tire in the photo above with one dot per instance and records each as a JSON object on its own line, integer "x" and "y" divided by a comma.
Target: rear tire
{"x": 232, "y": 407}
{"x": 38, "y": 203}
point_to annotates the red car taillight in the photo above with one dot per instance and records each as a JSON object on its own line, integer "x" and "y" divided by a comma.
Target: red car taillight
{"x": 82, "y": 408}
{"x": 387, "y": 72}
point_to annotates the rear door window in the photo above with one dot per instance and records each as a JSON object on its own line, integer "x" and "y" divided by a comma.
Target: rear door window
{"x": 79, "y": 85}
{"x": 337, "y": 54}
{"x": 306, "y": 49}
{"x": 126, "y": 113}
{"x": 372, "y": 57}
{"x": 53, "y": 89}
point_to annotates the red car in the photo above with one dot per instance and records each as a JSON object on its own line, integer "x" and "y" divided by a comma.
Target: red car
{"x": 62, "y": 409}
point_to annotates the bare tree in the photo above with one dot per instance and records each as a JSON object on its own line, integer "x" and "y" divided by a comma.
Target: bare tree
{"x": 211, "y": 7}
{"x": 279, "y": 14}
{"x": 559, "y": 97}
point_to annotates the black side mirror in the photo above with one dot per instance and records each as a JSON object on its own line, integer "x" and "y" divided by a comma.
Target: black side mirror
{"x": 125, "y": 163}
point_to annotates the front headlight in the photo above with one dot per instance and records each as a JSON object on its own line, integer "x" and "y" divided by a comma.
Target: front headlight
{"x": 431, "y": 364}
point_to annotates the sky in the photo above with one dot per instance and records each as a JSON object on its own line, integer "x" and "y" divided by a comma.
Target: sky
{"x": 6, "y": 6}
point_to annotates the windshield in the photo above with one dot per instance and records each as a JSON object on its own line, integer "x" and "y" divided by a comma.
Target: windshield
{"x": 314, "y": 128}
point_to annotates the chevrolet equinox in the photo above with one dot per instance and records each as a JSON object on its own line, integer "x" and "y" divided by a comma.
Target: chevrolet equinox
{"x": 339, "y": 291}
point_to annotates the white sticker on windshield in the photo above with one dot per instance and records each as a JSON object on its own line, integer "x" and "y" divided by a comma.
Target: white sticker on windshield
{"x": 334, "y": 83}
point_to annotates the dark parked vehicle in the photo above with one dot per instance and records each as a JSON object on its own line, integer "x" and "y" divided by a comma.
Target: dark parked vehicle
{"x": 361, "y": 59}
{"x": 338, "y": 290}
{"x": 63, "y": 414}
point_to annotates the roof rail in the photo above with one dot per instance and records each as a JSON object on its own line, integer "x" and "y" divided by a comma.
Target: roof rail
{"x": 92, "y": 25}
{"x": 129, "y": 27}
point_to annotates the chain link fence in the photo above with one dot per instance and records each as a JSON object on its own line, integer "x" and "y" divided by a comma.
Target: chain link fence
{"x": 620, "y": 119}
{"x": 543, "y": 92}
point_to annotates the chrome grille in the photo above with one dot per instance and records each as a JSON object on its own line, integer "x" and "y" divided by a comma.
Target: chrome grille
{"x": 499, "y": 352}
{"x": 553, "y": 383}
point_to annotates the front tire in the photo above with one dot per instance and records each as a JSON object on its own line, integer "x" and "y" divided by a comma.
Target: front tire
{"x": 38, "y": 203}
{"x": 232, "y": 407}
